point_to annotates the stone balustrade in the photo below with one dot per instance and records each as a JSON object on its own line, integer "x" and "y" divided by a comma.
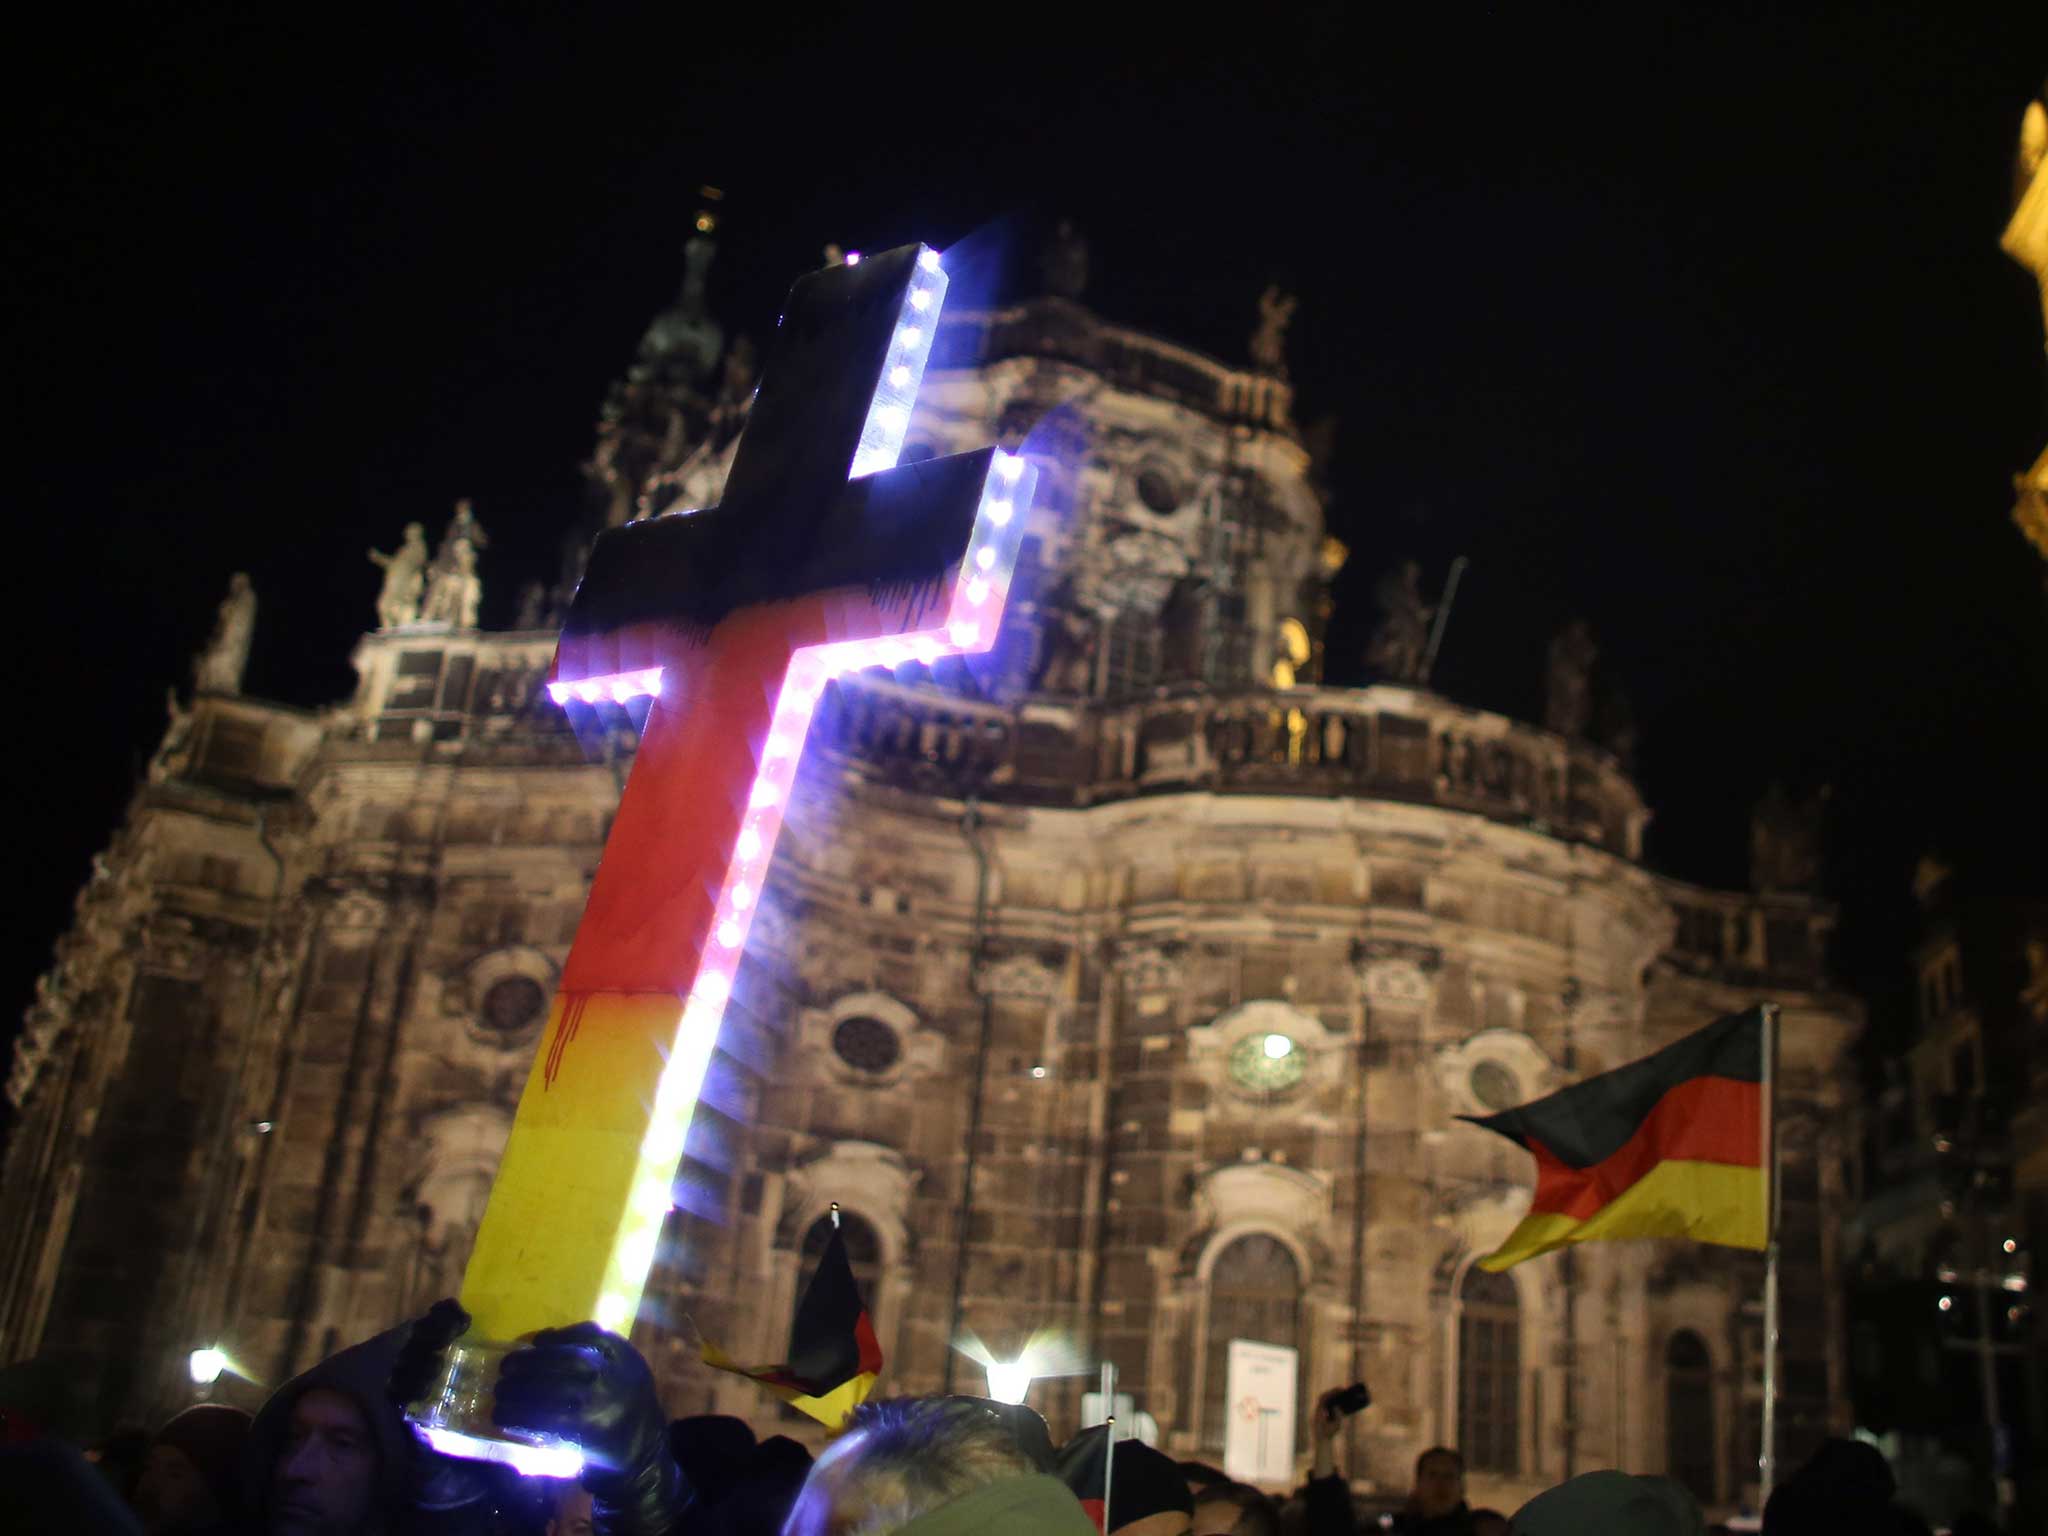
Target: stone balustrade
{"x": 1125, "y": 359}
{"x": 1377, "y": 743}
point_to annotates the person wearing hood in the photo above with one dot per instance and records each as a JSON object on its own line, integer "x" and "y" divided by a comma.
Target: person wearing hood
{"x": 932, "y": 1466}
{"x": 329, "y": 1454}
{"x": 191, "y": 1476}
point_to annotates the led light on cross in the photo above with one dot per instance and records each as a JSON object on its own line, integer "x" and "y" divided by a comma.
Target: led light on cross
{"x": 824, "y": 556}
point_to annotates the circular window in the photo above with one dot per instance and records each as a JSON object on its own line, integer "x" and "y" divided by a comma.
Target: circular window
{"x": 1494, "y": 1086}
{"x": 1157, "y": 490}
{"x": 866, "y": 1044}
{"x": 1266, "y": 1063}
{"x": 512, "y": 1003}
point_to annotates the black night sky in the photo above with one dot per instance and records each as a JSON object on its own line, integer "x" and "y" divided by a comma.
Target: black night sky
{"x": 1692, "y": 321}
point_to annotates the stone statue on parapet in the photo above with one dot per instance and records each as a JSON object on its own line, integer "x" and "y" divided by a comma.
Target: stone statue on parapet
{"x": 454, "y": 590}
{"x": 1785, "y": 842}
{"x": 533, "y": 607}
{"x": 405, "y": 579}
{"x": 1400, "y": 641}
{"x": 1269, "y": 341}
{"x": 219, "y": 667}
{"x": 174, "y": 753}
{"x": 1063, "y": 261}
{"x": 1568, "y": 690}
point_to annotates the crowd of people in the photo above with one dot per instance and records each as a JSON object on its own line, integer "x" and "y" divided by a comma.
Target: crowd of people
{"x": 331, "y": 1454}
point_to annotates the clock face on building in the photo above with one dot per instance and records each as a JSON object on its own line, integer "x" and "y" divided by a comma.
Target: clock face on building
{"x": 1266, "y": 1063}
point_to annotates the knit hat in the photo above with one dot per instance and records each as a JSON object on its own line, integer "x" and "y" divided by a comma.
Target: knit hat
{"x": 1142, "y": 1481}
{"x": 211, "y": 1435}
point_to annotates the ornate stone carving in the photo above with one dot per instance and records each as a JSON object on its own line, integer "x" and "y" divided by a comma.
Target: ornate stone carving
{"x": 862, "y": 1176}
{"x": 1457, "y": 1069}
{"x": 1150, "y": 969}
{"x": 1020, "y": 976}
{"x": 219, "y": 667}
{"x": 1395, "y": 982}
{"x": 1237, "y": 1197}
{"x": 405, "y": 579}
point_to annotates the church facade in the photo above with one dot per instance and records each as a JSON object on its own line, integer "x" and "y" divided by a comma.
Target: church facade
{"x": 1124, "y": 984}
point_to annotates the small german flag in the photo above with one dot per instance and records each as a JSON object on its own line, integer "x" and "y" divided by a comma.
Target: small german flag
{"x": 833, "y": 1355}
{"x": 1669, "y": 1146}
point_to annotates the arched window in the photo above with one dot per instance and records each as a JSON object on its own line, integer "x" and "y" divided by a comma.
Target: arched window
{"x": 863, "y": 1257}
{"x": 1254, "y": 1293}
{"x": 1490, "y": 1372}
{"x": 1689, "y": 1414}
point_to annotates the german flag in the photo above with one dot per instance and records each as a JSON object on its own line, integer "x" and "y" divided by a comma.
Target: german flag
{"x": 1669, "y": 1146}
{"x": 833, "y": 1355}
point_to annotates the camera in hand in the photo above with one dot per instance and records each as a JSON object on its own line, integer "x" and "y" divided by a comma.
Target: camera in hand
{"x": 1355, "y": 1398}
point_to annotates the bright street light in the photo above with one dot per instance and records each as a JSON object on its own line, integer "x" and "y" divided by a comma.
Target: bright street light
{"x": 206, "y": 1365}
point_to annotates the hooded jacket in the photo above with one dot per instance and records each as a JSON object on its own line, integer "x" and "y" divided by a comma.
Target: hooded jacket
{"x": 358, "y": 1373}
{"x": 1033, "y": 1505}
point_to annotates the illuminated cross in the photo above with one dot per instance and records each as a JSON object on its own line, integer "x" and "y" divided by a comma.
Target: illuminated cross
{"x": 823, "y": 557}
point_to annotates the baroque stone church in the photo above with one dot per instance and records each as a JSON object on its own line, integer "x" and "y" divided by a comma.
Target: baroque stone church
{"x": 1126, "y": 982}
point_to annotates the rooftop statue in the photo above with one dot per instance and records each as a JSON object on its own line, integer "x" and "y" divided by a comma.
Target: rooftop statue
{"x": 1269, "y": 342}
{"x": 1400, "y": 641}
{"x": 405, "y": 578}
{"x": 1568, "y": 691}
{"x": 219, "y": 667}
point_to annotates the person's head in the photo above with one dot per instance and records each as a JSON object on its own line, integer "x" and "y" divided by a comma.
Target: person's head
{"x": 902, "y": 1458}
{"x": 713, "y": 1450}
{"x": 330, "y": 1452}
{"x": 763, "y": 1495}
{"x": 324, "y": 1482}
{"x": 574, "y": 1514}
{"x": 1489, "y": 1522}
{"x": 1234, "y": 1509}
{"x": 188, "y": 1476}
{"x": 1439, "y": 1482}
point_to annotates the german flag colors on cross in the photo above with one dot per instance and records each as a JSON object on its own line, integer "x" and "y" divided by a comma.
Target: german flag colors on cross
{"x": 1669, "y": 1146}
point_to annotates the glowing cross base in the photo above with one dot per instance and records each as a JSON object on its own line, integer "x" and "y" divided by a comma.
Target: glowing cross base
{"x": 822, "y": 558}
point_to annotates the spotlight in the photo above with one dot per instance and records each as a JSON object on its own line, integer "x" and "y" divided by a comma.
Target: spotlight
{"x": 1008, "y": 1383}
{"x": 205, "y": 1366}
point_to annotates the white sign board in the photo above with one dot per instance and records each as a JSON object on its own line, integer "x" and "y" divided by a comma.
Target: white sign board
{"x": 1259, "y": 1397}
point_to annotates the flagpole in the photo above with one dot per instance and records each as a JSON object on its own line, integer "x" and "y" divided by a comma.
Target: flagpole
{"x": 1109, "y": 1444}
{"x": 1767, "y": 1462}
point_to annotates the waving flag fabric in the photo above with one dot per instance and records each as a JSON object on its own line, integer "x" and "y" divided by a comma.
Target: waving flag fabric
{"x": 1669, "y": 1146}
{"x": 833, "y": 1355}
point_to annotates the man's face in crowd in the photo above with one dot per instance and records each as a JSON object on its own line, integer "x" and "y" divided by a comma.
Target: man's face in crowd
{"x": 171, "y": 1496}
{"x": 1439, "y": 1486}
{"x": 573, "y": 1513}
{"x": 326, "y": 1475}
